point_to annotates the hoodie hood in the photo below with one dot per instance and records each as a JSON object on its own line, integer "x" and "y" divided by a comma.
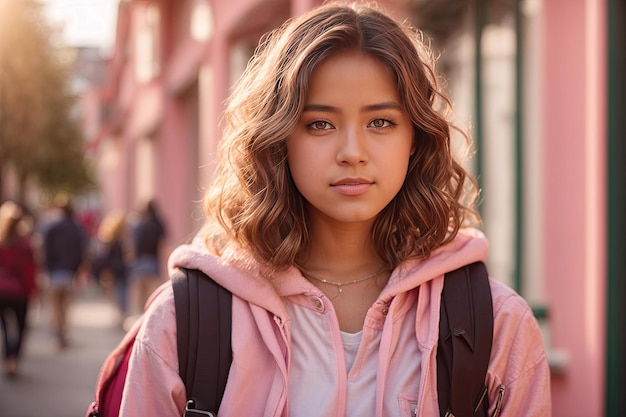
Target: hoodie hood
{"x": 237, "y": 271}
{"x": 469, "y": 246}
{"x": 241, "y": 274}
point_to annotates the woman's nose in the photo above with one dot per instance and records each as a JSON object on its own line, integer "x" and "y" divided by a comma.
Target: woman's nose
{"x": 352, "y": 148}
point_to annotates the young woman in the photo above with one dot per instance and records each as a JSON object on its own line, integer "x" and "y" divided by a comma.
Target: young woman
{"x": 336, "y": 211}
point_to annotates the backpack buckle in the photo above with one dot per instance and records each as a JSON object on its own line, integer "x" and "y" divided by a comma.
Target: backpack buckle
{"x": 192, "y": 411}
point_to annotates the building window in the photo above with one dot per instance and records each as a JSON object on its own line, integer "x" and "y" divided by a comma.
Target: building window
{"x": 145, "y": 169}
{"x": 477, "y": 42}
{"x": 147, "y": 44}
{"x": 201, "y": 25}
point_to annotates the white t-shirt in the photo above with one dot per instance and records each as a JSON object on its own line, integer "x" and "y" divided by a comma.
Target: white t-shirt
{"x": 334, "y": 373}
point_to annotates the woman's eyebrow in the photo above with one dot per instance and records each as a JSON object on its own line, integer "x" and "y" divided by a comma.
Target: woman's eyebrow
{"x": 386, "y": 105}
{"x": 321, "y": 108}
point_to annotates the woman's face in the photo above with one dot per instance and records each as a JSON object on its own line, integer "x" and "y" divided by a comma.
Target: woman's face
{"x": 349, "y": 153}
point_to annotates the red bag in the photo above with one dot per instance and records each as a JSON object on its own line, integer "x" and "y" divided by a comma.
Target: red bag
{"x": 112, "y": 377}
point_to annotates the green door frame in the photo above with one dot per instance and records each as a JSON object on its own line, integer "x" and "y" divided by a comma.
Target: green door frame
{"x": 481, "y": 18}
{"x": 518, "y": 272}
{"x": 616, "y": 227}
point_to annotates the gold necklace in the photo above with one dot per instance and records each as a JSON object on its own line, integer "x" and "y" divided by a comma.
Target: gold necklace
{"x": 340, "y": 285}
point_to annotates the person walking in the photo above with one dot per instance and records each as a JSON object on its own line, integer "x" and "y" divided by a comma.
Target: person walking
{"x": 65, "y": 244}
{"x": 18, "y": 270}
{"x": 110, "y": 259}
{"x": 148, "y": 238}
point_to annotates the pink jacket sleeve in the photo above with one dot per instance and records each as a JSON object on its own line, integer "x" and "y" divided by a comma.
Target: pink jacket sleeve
{"x": 519, "y": 374}
{"x": 153, "y": 386}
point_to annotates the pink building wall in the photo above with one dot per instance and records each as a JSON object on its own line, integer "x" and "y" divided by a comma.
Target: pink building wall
{"x": 574, "y": 137}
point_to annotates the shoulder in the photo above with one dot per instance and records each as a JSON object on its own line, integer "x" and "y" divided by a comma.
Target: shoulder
{"x": 78, "y": 226}
{"x": 153, "y": 370}
{"x": 518, "y": 347}
{"x": 157, "y": 333}
{"x": 25, "y": 246}
{"x": 24, "y": 243}
{"x": 506, "y": 300}
{"x": 53, "y": 226}
{"x": 160, "y": 313}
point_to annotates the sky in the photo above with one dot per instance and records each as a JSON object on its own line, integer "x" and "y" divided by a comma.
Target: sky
{"x": 84, "y": 22}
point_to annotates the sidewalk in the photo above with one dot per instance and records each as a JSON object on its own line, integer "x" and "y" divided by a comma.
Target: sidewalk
{"x": 60, "y": 383}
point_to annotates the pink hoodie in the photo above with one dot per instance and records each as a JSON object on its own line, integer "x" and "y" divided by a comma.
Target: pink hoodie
{"x": 261, "y": 338}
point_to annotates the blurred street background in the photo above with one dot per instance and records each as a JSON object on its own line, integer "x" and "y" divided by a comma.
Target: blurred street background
{"x": 60, "y": 382}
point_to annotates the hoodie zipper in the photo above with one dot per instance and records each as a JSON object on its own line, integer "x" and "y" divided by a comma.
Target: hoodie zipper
{"x": 496, "y": 412}
{"x": 281, "y": 404}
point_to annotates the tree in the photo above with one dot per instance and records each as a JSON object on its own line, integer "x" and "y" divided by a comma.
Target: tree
{"x": 39, "y": 139}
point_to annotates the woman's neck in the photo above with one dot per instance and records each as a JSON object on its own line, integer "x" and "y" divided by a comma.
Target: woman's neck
{"x": 341, "y": 254}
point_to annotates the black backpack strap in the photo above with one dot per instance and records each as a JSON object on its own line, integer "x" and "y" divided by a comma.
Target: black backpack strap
{"x": 204, "y": 323}
{"x": 465, "y": 337}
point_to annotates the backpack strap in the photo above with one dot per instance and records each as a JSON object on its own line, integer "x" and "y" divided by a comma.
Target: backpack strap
{"x": 203, "y": 324}
{"x": 465, "y": 337}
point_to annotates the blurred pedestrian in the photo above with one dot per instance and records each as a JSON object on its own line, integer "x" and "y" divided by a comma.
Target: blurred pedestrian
{"x": 148, "y": 240}
{"x": 110, "y": 260}
{"x": 64, "y": 245}
{"x": 17, "y": 282}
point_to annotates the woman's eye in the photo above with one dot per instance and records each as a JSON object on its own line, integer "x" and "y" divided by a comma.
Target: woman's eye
{"x": 320, "y": 125}
{"x": 381, "y": 123}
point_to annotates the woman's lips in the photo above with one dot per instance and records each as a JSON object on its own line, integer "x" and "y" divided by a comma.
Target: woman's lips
{"x": 352, "y": 187}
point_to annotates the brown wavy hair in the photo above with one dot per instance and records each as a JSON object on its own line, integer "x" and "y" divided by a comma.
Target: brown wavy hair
{"x": 253, "y": 201}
